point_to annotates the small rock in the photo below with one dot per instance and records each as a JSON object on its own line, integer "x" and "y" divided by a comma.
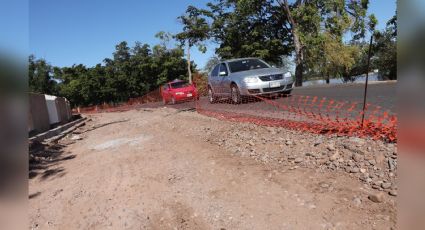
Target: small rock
{"x": 393, "y": 193}
{"x": 289, "y": 142}
{"x": 391, "y": 164}
{"x": 379, "y": 158}
{"x": 357, "y": 201}
{"x": 298, "y": 160}
{"x": 334, "y": 157}
{"x": 386, "y": 185}
{"x": 377, "y": 197}
{"x": 318, "y": 142}
{"x": 372, "y": 162}
{"x": 76, "y": 137}
{"x": 324, "y": 185}
{"x": 362, "y": 170}
{"x": 357, "y": 157}
{"x": 354, "y": 170}
{"x": 331, "y": 147}
{"x": 358, "y": 141}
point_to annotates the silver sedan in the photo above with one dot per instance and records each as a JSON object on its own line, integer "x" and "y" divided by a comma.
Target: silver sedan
{"x": 244, "y": 77}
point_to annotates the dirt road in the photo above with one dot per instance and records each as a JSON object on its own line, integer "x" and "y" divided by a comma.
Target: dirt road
{"x": 165, "y": 169}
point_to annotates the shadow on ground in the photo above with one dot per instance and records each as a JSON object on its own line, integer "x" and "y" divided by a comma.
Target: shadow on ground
{"x": 45, "y": 158}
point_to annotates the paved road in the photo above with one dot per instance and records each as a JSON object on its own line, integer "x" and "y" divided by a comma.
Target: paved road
{"x": 382, "y": 94}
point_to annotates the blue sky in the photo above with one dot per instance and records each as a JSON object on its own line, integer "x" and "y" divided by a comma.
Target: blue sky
{"x": 14, "y": 27}
{"x": 67, "y": 32}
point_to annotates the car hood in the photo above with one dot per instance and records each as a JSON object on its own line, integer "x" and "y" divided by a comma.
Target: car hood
{"x": 258, "y": 72}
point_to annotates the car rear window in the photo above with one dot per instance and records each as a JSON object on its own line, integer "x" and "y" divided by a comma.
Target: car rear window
{"x": 246, "y": 64}
{"x": 179, "y": 84}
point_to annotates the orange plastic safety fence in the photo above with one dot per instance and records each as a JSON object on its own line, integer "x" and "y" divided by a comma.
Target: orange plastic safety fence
{"x": 305, "y": 113}
{"x": 298, "y": 112}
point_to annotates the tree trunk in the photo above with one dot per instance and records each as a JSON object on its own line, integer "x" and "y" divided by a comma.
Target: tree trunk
{"x": 327, "y": 78}
{"x": 188, "y": 64}
{"x": 299, "y": 68}
{"x": 299, "y": 57}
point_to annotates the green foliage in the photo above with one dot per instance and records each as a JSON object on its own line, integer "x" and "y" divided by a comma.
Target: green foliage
{"x": 39, "y": 76}
{"x": 195, "y": 28}
{"x": 132, "y": 72}
{"x": 385, "y": 50}
{"x": 249, "y": 28}
{"x": 274, "y": 29}
{"x": 332, "y": 58}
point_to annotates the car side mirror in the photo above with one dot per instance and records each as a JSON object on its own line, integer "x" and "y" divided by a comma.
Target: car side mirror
{"x": 222, "y": 73}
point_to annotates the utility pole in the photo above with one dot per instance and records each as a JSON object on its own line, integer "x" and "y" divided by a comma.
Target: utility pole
{"x": 367, "y": 78}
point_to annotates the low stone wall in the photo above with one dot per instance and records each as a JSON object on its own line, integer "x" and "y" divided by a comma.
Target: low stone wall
{"x": 38, "y": 117}
{"x": 47, "y": 111}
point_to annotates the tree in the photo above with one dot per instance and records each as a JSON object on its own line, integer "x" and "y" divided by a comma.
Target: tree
{"x": 40, "y": 76}
{"x": 250, "y": 28}
{"x": 337, "y": 57}
{"x": 307, "y": 19}
{"x": 195, "y": 32}
{"x": 131, "y": 72}
{"x": 385, "y": 50}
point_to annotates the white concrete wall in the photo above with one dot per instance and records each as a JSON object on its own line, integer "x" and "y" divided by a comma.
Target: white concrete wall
{"x": 52, "y": 109}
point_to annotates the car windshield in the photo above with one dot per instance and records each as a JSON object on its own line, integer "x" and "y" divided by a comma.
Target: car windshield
{"x": 179, "y": 84}
{"x": 246, "y": 64}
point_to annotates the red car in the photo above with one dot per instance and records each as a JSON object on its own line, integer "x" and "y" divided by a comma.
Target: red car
{"x": 178, "y": 90}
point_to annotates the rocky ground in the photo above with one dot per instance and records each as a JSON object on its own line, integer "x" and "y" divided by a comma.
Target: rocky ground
{"x": 372, "y": 162}
{"x": 170, "y": 169}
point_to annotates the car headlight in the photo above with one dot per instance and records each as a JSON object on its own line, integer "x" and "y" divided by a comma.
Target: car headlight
{"x": 250, "y": 79}
{"x": 287, "y": 75}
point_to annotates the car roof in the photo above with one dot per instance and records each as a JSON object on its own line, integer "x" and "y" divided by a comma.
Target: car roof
{"x": 238, "y": 59}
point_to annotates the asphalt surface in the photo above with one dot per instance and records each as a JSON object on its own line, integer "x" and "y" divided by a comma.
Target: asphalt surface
{"x": 382, "y": 94}
{"x": 379, "y": 94}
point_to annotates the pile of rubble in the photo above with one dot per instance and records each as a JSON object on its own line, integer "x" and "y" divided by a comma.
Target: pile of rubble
{"x": 372, "y": 162}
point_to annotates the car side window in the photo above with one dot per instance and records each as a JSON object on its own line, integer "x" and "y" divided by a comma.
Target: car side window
{"x": 223, "y": 68}
{"x": 214, "y": 73}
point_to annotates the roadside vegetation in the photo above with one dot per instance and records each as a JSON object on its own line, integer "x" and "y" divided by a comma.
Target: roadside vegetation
{"x": 324, "y": 38}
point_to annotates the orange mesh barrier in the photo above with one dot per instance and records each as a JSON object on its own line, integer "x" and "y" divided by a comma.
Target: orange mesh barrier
{"x": 298, "y": 112}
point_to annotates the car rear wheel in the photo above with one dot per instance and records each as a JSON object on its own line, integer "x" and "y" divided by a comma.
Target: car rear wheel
{"x": 211, "y": 98}
{"x": 235, "y": 94}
